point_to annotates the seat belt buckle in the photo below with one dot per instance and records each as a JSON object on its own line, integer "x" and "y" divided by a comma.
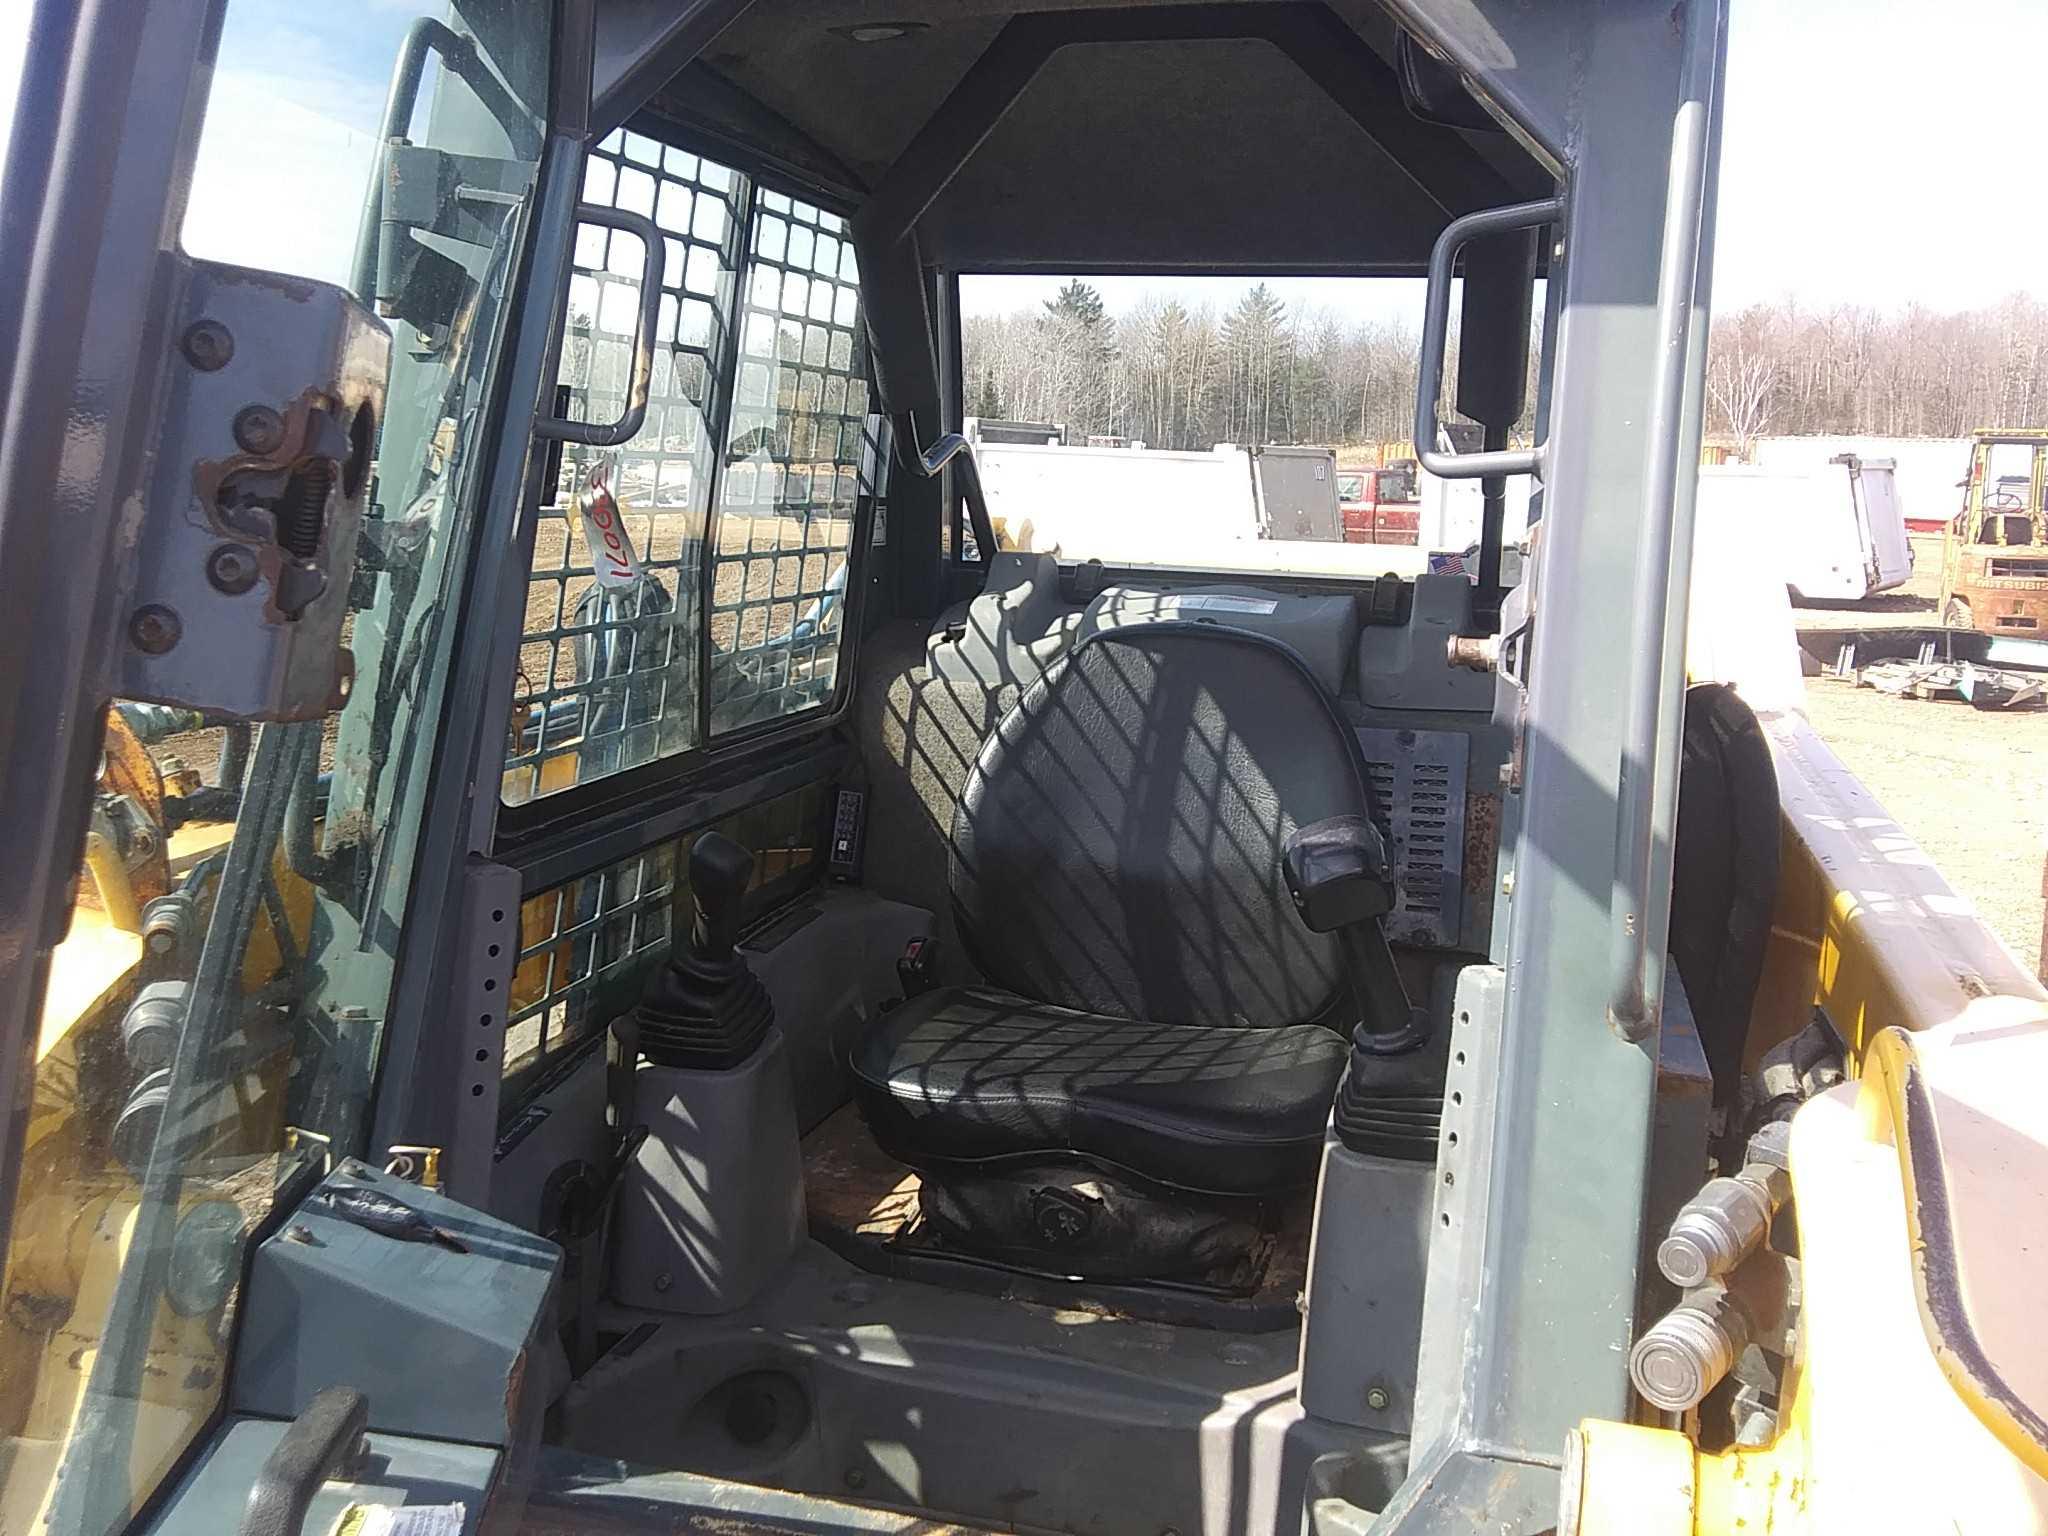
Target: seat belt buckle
{"x": 914, "y": 966}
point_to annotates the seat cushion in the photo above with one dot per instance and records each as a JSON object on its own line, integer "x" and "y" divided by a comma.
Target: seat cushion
{"x": 974, "y": 1075}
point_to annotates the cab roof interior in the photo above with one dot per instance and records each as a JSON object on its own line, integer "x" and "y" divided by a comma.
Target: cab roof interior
{"x": 1244, "y": 136}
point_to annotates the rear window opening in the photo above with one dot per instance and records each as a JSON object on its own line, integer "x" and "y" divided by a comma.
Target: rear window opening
{"x": 1244, "y": 424}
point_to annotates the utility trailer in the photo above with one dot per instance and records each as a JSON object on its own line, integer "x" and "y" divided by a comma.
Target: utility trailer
{"x": 852, "y": 1028}
{"x": 1117, "y": 504}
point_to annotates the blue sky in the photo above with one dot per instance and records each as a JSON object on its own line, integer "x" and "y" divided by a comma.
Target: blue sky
{"x": 1875, "y": 151}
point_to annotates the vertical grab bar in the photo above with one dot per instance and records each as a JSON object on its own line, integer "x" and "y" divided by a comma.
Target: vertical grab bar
{"x": 1436, "y": 330}
{"x": 1667, "y": 519}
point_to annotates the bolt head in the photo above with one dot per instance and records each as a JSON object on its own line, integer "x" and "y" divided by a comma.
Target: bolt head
{"x": 1376, "y": 1399}
{"x": 664, "y": 1280}
{"x": 856, "y": 1478}
{"x": 259, "y": 429}
{"x": 154, "y": 629}
{"x": 208, "y": 345}
{"x": 232, "y": 569}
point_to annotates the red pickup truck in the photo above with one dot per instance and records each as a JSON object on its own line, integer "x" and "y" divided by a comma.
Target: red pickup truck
{"x": 1379, "y": 503}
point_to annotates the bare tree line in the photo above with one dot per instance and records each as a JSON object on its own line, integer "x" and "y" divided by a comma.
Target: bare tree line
{"x": 1778, "y": 370}
{"x": 1181, "y": 376}
{"x": 1189, "y": 376}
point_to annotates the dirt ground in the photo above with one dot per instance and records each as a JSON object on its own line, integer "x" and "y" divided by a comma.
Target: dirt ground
{"x": 804, "y": 551}
{"x": 1969, "y": 786}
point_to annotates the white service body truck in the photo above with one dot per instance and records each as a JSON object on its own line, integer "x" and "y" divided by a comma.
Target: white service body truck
{"x": 1837, "y": 530}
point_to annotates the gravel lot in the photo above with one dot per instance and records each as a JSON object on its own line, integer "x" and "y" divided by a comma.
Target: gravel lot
{"x": 1970, "y": 786}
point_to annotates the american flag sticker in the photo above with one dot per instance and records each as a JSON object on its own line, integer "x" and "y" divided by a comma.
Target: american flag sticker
{"x": 1444, "y": 562}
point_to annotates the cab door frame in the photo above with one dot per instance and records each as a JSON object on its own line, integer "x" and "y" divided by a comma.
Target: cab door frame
{"x": 101, "y": 189}
{"x": 91, "y": 200}
{"x": 417, "y": 1082}
{"x": 441, "y": 1072}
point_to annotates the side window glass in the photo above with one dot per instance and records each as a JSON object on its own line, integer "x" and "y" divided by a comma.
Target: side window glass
{"x": 608, "y": 676}
{"x": 739, "y": 495}
{"x": 795, "y": 468}
{"x": 214, "y": 1015}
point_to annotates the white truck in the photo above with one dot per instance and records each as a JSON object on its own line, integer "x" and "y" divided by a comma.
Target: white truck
{"x": 1453, "y": 511}
{"x": 1836, "y": 530}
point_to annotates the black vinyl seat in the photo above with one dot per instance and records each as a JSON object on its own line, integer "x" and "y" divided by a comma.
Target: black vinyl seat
{"x": 1155, "y": 1006}
{"x": 968, "y": 1075}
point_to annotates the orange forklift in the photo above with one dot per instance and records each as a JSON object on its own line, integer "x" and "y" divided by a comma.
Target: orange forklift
{"x": 1994, "y": 567}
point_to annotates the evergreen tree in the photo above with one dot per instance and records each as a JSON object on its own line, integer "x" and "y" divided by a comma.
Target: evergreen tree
{"x": 988, "y": 397}
{"x": 1258, "y": 350}
{"x": 1079, "y": 303}
{"x": 1079, "y": 349}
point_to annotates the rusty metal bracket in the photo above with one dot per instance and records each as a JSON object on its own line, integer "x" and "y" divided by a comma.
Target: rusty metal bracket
{"x": 262, "y": 475}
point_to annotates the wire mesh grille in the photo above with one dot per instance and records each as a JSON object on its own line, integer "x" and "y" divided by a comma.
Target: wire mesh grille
{"x": 587, "y": 945}
{"x": 608, "y": 680}
{"x": 759, "y": 349}
{"x": 583, "y": 947}
{"x": 800, "y": 453}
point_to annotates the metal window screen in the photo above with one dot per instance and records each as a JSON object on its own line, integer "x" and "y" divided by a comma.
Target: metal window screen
{"x": 801, "y": 453}
{"x": 587, "y": 945}
{"x": 584, "y": 947}
{"x": 608, "y": 680}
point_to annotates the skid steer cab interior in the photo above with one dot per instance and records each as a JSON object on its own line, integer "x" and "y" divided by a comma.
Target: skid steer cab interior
{"x": 637, "y": 905}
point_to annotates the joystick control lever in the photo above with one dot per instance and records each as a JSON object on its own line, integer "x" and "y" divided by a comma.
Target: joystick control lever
{"x": 719, "y": 871}
{"x": 705, "y": 1009}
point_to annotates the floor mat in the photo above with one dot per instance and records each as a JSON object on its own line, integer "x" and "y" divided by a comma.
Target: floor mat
{"x": 864, "y": 1206}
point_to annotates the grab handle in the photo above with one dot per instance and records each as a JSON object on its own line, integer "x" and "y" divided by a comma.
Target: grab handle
{"x": 1436, "y": 330}
{"x": 326, "y": 1441}
{"x": 946, "y": 449}
{"x": 592, "y": 434}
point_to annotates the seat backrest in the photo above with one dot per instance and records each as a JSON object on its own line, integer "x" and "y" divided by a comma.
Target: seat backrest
{"x": 1118, "y": 845}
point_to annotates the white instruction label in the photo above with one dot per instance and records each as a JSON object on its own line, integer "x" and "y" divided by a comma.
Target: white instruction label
{"x": 401, "y": 1520}
{"x": 611, "y": 547}
{"x": 1225, "y": 602}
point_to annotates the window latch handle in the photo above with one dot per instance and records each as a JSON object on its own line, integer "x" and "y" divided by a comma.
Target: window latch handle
{"x": 593, "y": 434}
